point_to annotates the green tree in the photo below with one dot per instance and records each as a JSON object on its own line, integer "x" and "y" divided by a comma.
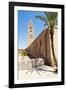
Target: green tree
{"x": 50, "y": 20}
{"x": 24, "y": 53}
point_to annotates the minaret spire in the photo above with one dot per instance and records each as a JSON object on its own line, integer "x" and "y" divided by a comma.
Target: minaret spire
{"x": 30, "y": 32}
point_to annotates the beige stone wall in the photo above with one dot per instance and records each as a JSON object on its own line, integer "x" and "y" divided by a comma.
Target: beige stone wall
{"x": 56, "y": 43}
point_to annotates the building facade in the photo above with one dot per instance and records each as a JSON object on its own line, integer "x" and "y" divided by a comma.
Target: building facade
{"x": 40, "y": 47}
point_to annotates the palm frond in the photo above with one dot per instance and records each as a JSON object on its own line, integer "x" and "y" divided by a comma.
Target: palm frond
{"x": 43, "y": 19}
{"x": 55, "y": 28}
{"x": 40, "y": 17}
{"x": 50, "y": 19}
{"x": 45, "y": 24}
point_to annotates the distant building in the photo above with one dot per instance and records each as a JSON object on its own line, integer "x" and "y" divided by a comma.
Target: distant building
{"x": 20, "y": 51}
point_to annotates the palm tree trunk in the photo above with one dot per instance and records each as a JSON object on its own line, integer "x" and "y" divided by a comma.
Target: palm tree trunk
{"x": 52, "y": 46}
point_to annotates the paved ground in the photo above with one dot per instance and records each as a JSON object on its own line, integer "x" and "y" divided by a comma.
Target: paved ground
{"x": 43, "y": 71}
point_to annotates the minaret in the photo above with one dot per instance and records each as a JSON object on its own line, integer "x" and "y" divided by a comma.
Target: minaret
{"x": 30, "y": 32}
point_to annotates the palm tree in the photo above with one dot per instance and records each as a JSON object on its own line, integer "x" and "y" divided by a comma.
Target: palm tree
{"x": 50, "y": 20}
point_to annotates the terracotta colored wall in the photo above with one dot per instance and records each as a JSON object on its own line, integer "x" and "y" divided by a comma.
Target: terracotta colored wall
{"x": 40, "y": 48}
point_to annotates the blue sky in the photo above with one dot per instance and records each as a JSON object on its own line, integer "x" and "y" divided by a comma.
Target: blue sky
{"x": 23, "y": 20}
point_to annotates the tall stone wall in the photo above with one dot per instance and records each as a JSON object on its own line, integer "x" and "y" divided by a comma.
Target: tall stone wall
{"x": 40, "y": 47}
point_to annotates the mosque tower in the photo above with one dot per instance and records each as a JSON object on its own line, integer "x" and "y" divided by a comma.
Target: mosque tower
{"x": 31, "y": 36}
